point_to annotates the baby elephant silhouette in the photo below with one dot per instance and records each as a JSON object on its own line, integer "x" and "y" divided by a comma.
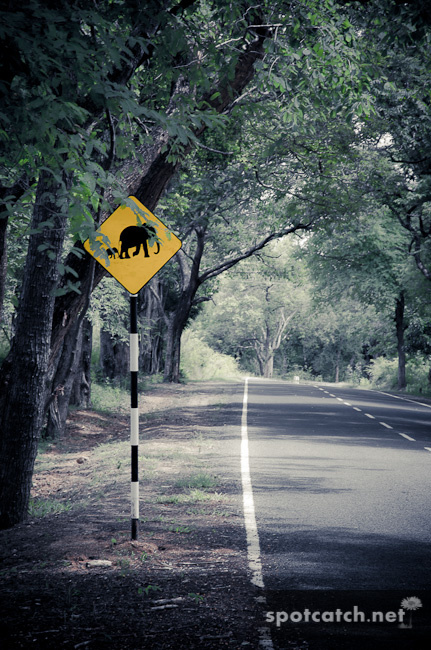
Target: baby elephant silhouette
{"x": 112, "y": 252}
{"x": 135, "y": 237}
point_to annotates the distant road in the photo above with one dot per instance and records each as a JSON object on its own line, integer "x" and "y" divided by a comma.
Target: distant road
{"x": 341, "y": 482}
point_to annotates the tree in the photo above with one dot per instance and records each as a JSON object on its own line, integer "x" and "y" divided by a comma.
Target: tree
{"x": 192, "y": 278}
{"x": 399, "y": 131}
{"x": 255, "y": 306}
{"x": 23, "y": 383}
{"x": 368, "y": 258}
{"x": 337, "y": 335}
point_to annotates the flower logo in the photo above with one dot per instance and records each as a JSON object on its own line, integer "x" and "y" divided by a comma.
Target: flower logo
{"x": 411, "y": 604}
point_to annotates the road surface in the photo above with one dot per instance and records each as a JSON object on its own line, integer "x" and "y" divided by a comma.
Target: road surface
{"x": 341, "y": 486}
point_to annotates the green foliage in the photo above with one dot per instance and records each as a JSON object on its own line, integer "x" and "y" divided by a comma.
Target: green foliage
{"x": 383, "y": 374}
{"x": 256, "y": 306}
{"x": 110, "y": 308}
{"x": 418, "y": 375}
{"x": 201, "y": 363}
{"x": 43, "y": 507}
{"x": 194, "y": 495}
{"x": 109, "y": 399}
{"x": 198, "y": 598}
{"x": 148, "y": 589}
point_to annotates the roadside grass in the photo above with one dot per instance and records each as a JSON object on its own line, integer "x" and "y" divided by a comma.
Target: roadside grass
{"x": 195, "y": 481}
{"x": 172, "y": 469}
{"x": 108, "y": 399}
{"x": 191, "y": 497}
{"x": 42, "y": 507}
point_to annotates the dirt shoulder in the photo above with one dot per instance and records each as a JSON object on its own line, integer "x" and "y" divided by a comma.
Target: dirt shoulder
{"x": 74, "y": 579}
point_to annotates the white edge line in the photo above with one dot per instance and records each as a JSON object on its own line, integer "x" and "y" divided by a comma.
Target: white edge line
{"x": 253, "y": 545}
{"x": 406, "y": 399}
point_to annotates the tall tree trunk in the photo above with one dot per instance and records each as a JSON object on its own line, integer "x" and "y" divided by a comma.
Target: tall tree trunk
{"x": 153, "y": 330}
{"x": 24, "y": 371}
{"x": 177, "y": 323}
{"x": 114, "y": 356}
{"x": 81, "y": 390}
{"x": 178, "y": 319}
{"x": 337, "y": 366}
{"x": 265, "y": 357}
{"x": 269, "y": 366}
{"x": 261, "y": 364}
{"x": 400, "y": 327}
{"x": 63, "y": 370}
{"x": 3, "y": 260}
{"x": 58, "y": 404}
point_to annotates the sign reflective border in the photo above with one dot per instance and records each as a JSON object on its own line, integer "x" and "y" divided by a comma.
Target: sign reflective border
{"x": 132, "y": 245}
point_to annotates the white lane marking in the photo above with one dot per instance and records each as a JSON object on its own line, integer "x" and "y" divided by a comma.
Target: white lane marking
{"x": 406, "y": 399}
{"x": 253, "y": 545}
{"x": 404, "y": 435}
{"x": 387, "y": 426}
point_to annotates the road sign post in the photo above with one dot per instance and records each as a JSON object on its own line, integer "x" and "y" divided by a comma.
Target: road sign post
{"x": 134, "y": 416}
{"x": 133, "y": 245}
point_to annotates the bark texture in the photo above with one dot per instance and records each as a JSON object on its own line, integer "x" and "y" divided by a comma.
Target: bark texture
{"x": 400, "y": 327}
{"x": 81, "y": 390}
{"x": 24, "y": 371}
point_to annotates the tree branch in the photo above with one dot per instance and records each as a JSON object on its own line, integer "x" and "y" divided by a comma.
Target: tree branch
{"x": 227, "y": 264}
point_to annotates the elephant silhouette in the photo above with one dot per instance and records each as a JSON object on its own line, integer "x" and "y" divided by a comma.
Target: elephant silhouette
{"x": 135, "y": 237}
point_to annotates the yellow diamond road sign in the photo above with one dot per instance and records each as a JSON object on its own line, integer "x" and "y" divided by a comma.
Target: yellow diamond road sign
{"x": 132, "y": 244}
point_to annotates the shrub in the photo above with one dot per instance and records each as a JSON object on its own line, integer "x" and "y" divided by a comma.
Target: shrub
{"x": 199, "y": 362}
{"x": 417, "y": 375}
{"x": 384, "y": 374}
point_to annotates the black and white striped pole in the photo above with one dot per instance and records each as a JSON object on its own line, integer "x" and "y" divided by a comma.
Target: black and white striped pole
{"x": 134, "y": 414}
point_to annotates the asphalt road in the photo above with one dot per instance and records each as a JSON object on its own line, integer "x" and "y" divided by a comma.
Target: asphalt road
{"x": 341, "y": 483}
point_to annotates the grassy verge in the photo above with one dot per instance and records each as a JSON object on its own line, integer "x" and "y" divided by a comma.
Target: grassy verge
{"x": 92, "y": 464}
